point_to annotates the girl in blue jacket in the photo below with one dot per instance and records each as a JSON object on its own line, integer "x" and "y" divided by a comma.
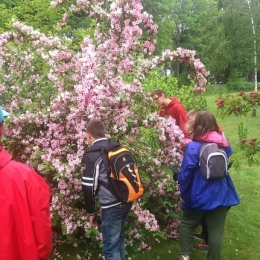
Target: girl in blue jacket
{"x": 210, "y": 199}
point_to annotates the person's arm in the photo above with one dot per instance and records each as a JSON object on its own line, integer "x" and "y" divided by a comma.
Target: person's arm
{"x": 38, "y": 195}
{"x": 229, "y": 152}
{"x": 181, "y": 119}
{"x": 189, "y": 164}
{"x": 179, "y": 113}
{"x": 88, "y": 185}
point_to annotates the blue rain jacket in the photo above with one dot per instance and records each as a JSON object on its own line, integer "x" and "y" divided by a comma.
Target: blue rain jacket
{"x": 199, "y": 193}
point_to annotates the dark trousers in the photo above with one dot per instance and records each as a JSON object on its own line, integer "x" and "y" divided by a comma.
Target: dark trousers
{"x": 204, "y": 230}
{"x": 215, "y": 220}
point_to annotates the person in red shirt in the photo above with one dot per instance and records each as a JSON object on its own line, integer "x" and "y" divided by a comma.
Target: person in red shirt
{"x": 171, "y": 107}
{"x": 25, "y": 226}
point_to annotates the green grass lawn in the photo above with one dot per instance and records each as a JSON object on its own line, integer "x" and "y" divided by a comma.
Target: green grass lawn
{"x": 242, "y": 230}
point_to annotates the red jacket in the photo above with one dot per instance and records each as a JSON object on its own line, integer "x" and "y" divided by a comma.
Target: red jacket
{"x": 178, "y": 112}
{"x": 25, "y": 225}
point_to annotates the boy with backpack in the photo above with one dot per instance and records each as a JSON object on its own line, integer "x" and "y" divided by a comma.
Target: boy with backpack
{"x": 95, "y": 183}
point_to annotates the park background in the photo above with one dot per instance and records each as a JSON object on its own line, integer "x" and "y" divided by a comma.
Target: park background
{"x": 224, "y": 35}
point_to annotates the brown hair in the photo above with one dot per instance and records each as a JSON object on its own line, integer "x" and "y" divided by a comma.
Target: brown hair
{"x": 204, "y": 123}
{"x": 158, "y": 92}
{"x": 96, "y": 128}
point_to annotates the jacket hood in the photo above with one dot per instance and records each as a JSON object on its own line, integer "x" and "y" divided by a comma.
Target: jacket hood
{"x": 174, "y": 101}
{"x": 214, "y": 137}
{"x": 5, "y": 157}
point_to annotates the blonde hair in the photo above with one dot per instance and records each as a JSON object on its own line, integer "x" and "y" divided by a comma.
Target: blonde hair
{"x": 192, "y": 114}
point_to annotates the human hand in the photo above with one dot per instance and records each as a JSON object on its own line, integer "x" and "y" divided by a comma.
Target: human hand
{"x": 93, "y": 221}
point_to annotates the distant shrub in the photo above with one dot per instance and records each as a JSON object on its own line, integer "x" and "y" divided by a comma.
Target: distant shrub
{"x": 239, "y": 84}
{"x": 216, "y": 89}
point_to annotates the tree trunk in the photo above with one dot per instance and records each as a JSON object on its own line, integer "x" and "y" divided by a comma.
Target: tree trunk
{"x": 255, "y": 53}
{"x": 254, "y": 110}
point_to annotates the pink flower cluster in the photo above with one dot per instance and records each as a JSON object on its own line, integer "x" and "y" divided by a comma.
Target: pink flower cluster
{"x": 199, "y": 75}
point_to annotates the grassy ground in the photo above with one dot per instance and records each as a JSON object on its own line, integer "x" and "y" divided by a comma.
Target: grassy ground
{"x": 242, "y": 225}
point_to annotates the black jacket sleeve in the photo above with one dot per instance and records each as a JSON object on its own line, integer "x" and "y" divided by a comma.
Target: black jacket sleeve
{"x": 89, "y": 183}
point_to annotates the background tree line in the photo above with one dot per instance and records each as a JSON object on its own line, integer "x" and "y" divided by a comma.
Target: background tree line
{"x": 220, "y": 31}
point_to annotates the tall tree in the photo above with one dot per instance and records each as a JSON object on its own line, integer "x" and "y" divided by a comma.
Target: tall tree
{"x": 160, "y": 13}
{"x": 231, "y": 39}
{"x": 255, "y": 42}
{"x": 189, "y": 18}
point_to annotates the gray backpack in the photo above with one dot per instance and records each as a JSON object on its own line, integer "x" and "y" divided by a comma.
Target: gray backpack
{"x": 213, "y": 161}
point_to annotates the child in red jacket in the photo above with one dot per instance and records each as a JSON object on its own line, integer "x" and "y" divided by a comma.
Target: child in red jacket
{"x": 25, "y": 226}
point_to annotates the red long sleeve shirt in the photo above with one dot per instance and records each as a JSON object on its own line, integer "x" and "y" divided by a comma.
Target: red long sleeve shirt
{"x": 176, "y": 110}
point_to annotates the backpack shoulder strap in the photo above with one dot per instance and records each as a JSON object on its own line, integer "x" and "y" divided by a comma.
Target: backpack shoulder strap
{"x": 205, "y": 144}
{"x": 104, "y": 153}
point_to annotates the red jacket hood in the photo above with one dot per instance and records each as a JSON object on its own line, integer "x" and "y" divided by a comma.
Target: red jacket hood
{"x": 174, "y": 101}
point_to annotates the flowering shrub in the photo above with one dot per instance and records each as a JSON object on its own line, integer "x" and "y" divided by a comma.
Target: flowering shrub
{"x": 238, "y": 105}
{"x": 248, "y": 148}
{"x": 52, "y": 91}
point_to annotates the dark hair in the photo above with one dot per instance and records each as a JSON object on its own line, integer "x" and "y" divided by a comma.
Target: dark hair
{"x": 96, "y": 128}
{"x": 158, "y": 92}
{"x": 204, "y": 123}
